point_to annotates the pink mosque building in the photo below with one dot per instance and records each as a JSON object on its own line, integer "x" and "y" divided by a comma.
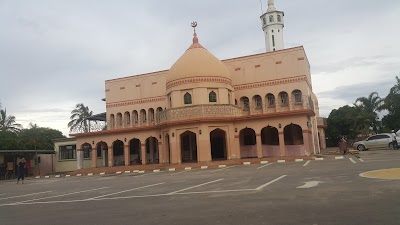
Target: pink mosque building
{"x": 204, "y": 109}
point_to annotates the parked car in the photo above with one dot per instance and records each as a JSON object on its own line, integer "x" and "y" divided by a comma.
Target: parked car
{"x": 376, "y": 141}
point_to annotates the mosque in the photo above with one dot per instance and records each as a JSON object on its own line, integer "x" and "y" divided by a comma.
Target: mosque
{"x": 205, "y": 109}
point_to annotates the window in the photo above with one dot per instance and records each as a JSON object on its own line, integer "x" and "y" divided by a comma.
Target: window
{"x": 99, "y": 152}
{"x": 212, "y": 97}
{"x": 297, "y": 96}
{"x": 279, "y": 18}
{"x": 170, "y": 102}
{"x": 271, "y": 100}
{"x": 271, "y": 19}
{"x": 87, "y": 150}
{"x": 136, "y": 116}
{"x": 284, "y": 99}
{"x": 151, "y": 112}
{"x": 273, "y": 40}
{"x": 258, "y": 101}
{"x": 246, "y": 104}
{"x": 187, "y": 98}
{"x": 264, "y": 21}
{"x": 67, "y": 152}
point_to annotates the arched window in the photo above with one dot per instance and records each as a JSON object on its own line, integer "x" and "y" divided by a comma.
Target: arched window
{"x": 279, "y": 18}
{"x": 264, "y": 21}
{"x": 245, "y": 103}
{"x": 271, "y": 18}
{"x": 187, "y": 99}
{"x": 297, "y": 96}
{"x": 271, "y": 100}
{"x": 212, "y": 97}
{"x": 284, "y": 98}
{"x": 258, "y": 101}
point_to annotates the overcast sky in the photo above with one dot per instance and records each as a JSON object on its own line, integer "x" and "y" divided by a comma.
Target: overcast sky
{"x": 55, "y": 54}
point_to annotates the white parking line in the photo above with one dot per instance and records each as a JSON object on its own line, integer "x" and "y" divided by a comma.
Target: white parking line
{"x": 224, "y": 168}
{"x": 361, "y": 160}
{"x": 305, "y": 164}
{"x": 199, "y": 185}
{"x": 264, "y": 166}
{"x": 272, "y": 181}
{"x": 72, "y": 193}
{"x": 26, "y": 195}
{"x": 126, "y": 191}
{"x": 352, "y": 160}
{"x": 3, "y": 194}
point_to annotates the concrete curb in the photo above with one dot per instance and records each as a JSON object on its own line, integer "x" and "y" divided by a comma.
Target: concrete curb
{"x": 319, "y": 159}
{"x": 102, "y": 173}
{"x": 90, "y": 174}
{"x": 141, "y": 171}
{"x": 79, "y": 175}
{"x": 46, "y": 177}
{"x": 264, "y": 162}
{"x": 246, "y": 163}
{"x": 57, "y": 176}
{"x": 127, "y": 171}
{"x": 68, "y": 175}
{"x": 172, "y": 169}
{"x": 281, "y": 161}
{"x": 156, "y": 171}
{"x": 339, "y": 157}
{"x": 118, "y": 172}
{"x": 136, "y": 171}
{"x": 37, "y": 177}
{"x": 299, "y": 160}
{"x": 188, "y": 168}
{"x": 204, "y": 167}
{"x": 221, "y": 166}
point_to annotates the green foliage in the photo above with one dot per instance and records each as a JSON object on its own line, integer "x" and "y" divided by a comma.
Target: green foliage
{"x": 7, "y": 123}
{"x": 341, "y": 122}
{"x": 8, "y": 140}
{"x": 367, "y": 111}
{"x": 392, "y": 105}
{"x": 79, "y": 118}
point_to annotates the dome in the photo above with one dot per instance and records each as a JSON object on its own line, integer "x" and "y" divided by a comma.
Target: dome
{"x": 197, "y": 62}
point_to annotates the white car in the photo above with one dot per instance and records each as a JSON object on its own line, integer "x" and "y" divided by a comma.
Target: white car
{"x": 377, "y": 141}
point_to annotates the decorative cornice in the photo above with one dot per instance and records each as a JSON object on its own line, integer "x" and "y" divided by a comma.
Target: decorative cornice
{"x": 271, "y": 83}
{"x": 199, "y": 79}
{"x": 135, "y": 102}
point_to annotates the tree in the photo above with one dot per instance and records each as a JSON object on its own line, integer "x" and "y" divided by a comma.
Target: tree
{"x": 392, "y": 105}
{"x": 79, "y": 118}
{"x": 38, "y": 137}
{"x": 8, "y": 140}
{"x": 7, "y": 123}
{"x": 341, "y": 122}
{"x": 368, "y": 107}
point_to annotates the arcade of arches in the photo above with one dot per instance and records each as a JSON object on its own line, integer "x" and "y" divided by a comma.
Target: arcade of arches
{"x": 194, "y": 146}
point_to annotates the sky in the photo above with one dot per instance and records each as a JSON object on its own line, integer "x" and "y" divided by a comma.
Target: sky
{"x": 55, "y": 54}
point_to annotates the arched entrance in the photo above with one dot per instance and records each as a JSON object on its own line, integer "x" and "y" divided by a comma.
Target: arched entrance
{"x": 294, "y": 142}
{"x": 118, "y": 153}
{"x": 270, "y": 142}
{"x": 152, "y": 150}
{"x": 102, "y": 152}
{"x": 167, "y": 149}
{"x": 189, "y": 147}
{"x": 135, "y": 151}
{"x": 218, "y": 144}
{"x": 247, "y": 140}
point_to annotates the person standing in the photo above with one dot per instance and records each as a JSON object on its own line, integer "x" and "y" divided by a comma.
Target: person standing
{"x": 343, "y": 146}
{"x": 21, "y": 171}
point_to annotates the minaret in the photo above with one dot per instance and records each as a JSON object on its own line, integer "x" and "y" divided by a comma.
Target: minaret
{"x": 272, "y": 24}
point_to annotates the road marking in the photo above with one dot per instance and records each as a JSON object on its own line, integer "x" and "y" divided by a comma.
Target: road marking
{"x": 272, "y": 181}
{"x": 199, "y": 185}
{"x": 263, "y": 166}
{"x": 180, "y": 172}
{"x": 305, "y": 164}
{"x": 3, "y": 194}
{"x": 26, "y": 195}
{"x": 224, "y": 168}
{"x": 309, "y": 184}
{"x": 383, "y": 160}
{"x": 61, "y": 195}
{"x": 126, "y": 191}
{"x": 361, "y": 160}
{"x": 352, "y": 160}
{"x": 339, "y": 157}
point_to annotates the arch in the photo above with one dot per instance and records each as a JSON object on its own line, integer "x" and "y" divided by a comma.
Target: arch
{"x": 152, "y": 151}
{"x": 257, "y": 101}
{"x": 158, "y": 114}
{"x": 284, "y": 98}
{"x": 218, "y": 144}
{"x": 264, "y": 21}
{"x": 87, "y": 150}
{"x": 297, "y": 96}
{"x": 270, "y": 100}
{"x": 212, "y": 96}
{"x": 135, "y": 115}
{"x": 118, "y": 153}
{"x": 271, "y": 18}
{"x": 112, "y": 121}
{"x": 293, "y": 135}
{"x": 270, "y": 142}
{"x": 135, "y": 153}
{"x": 247, "y": 140}
{"x": 236, "y": 102}
{"x": 119, "y": 120}
{"x": 187, "y": 99}
{"x": 102, "y": 151}
{"x": 127, "y": 118}
{"x": 244, "y": 103}
{"x": 143, "y": 117}
{"x": 188, "y": 147}
{"x": 151, "y": 116}
{"x": 279, "y": 18}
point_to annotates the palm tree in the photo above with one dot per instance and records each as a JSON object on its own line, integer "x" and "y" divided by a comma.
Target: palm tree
{"x": 370, "y": 105}
{"x": 79, "y": 118}
{"x": 7, "y": 123}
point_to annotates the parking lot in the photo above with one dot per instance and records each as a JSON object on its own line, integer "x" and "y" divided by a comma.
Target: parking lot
{"x": 330, "y": 191}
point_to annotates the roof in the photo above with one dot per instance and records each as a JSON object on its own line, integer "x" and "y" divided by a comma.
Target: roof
{"x": 28, "y": 151}
{"x": 98, "y": 117}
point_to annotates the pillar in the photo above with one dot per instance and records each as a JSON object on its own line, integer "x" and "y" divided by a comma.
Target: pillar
{"x": 94, "y": 158}
{"x": 282, "y": 147}
{"x": 161, "y": 158}
{"x": 308, "y": 143}
{"x": 110, "y": 157}
{"x": 143, "y": 151}
{"x": 203, "y": 145}
{"x": 127, "y": 156}
{"x": 236, "y": 148}
{"x": 79, "y": 159}
{"x": 259, "y": 146}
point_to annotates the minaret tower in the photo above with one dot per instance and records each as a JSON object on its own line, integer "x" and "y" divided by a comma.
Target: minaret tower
{"x": 272, "y": 24}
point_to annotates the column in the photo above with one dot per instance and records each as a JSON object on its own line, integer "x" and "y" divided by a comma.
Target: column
{"x": 282, "y": 144}
{"x": 161, "y": 153}
{"x": 94, "y": 158}
{"x": 259, "y": 146}
{"x": 143, "y": 154}
{"x": 110, "y": 157}
{"x": 127, "y": 156}
{"x": 236, "y": 148}
{"x": 79, "y": 159}
{"x": 308, "y": 144}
